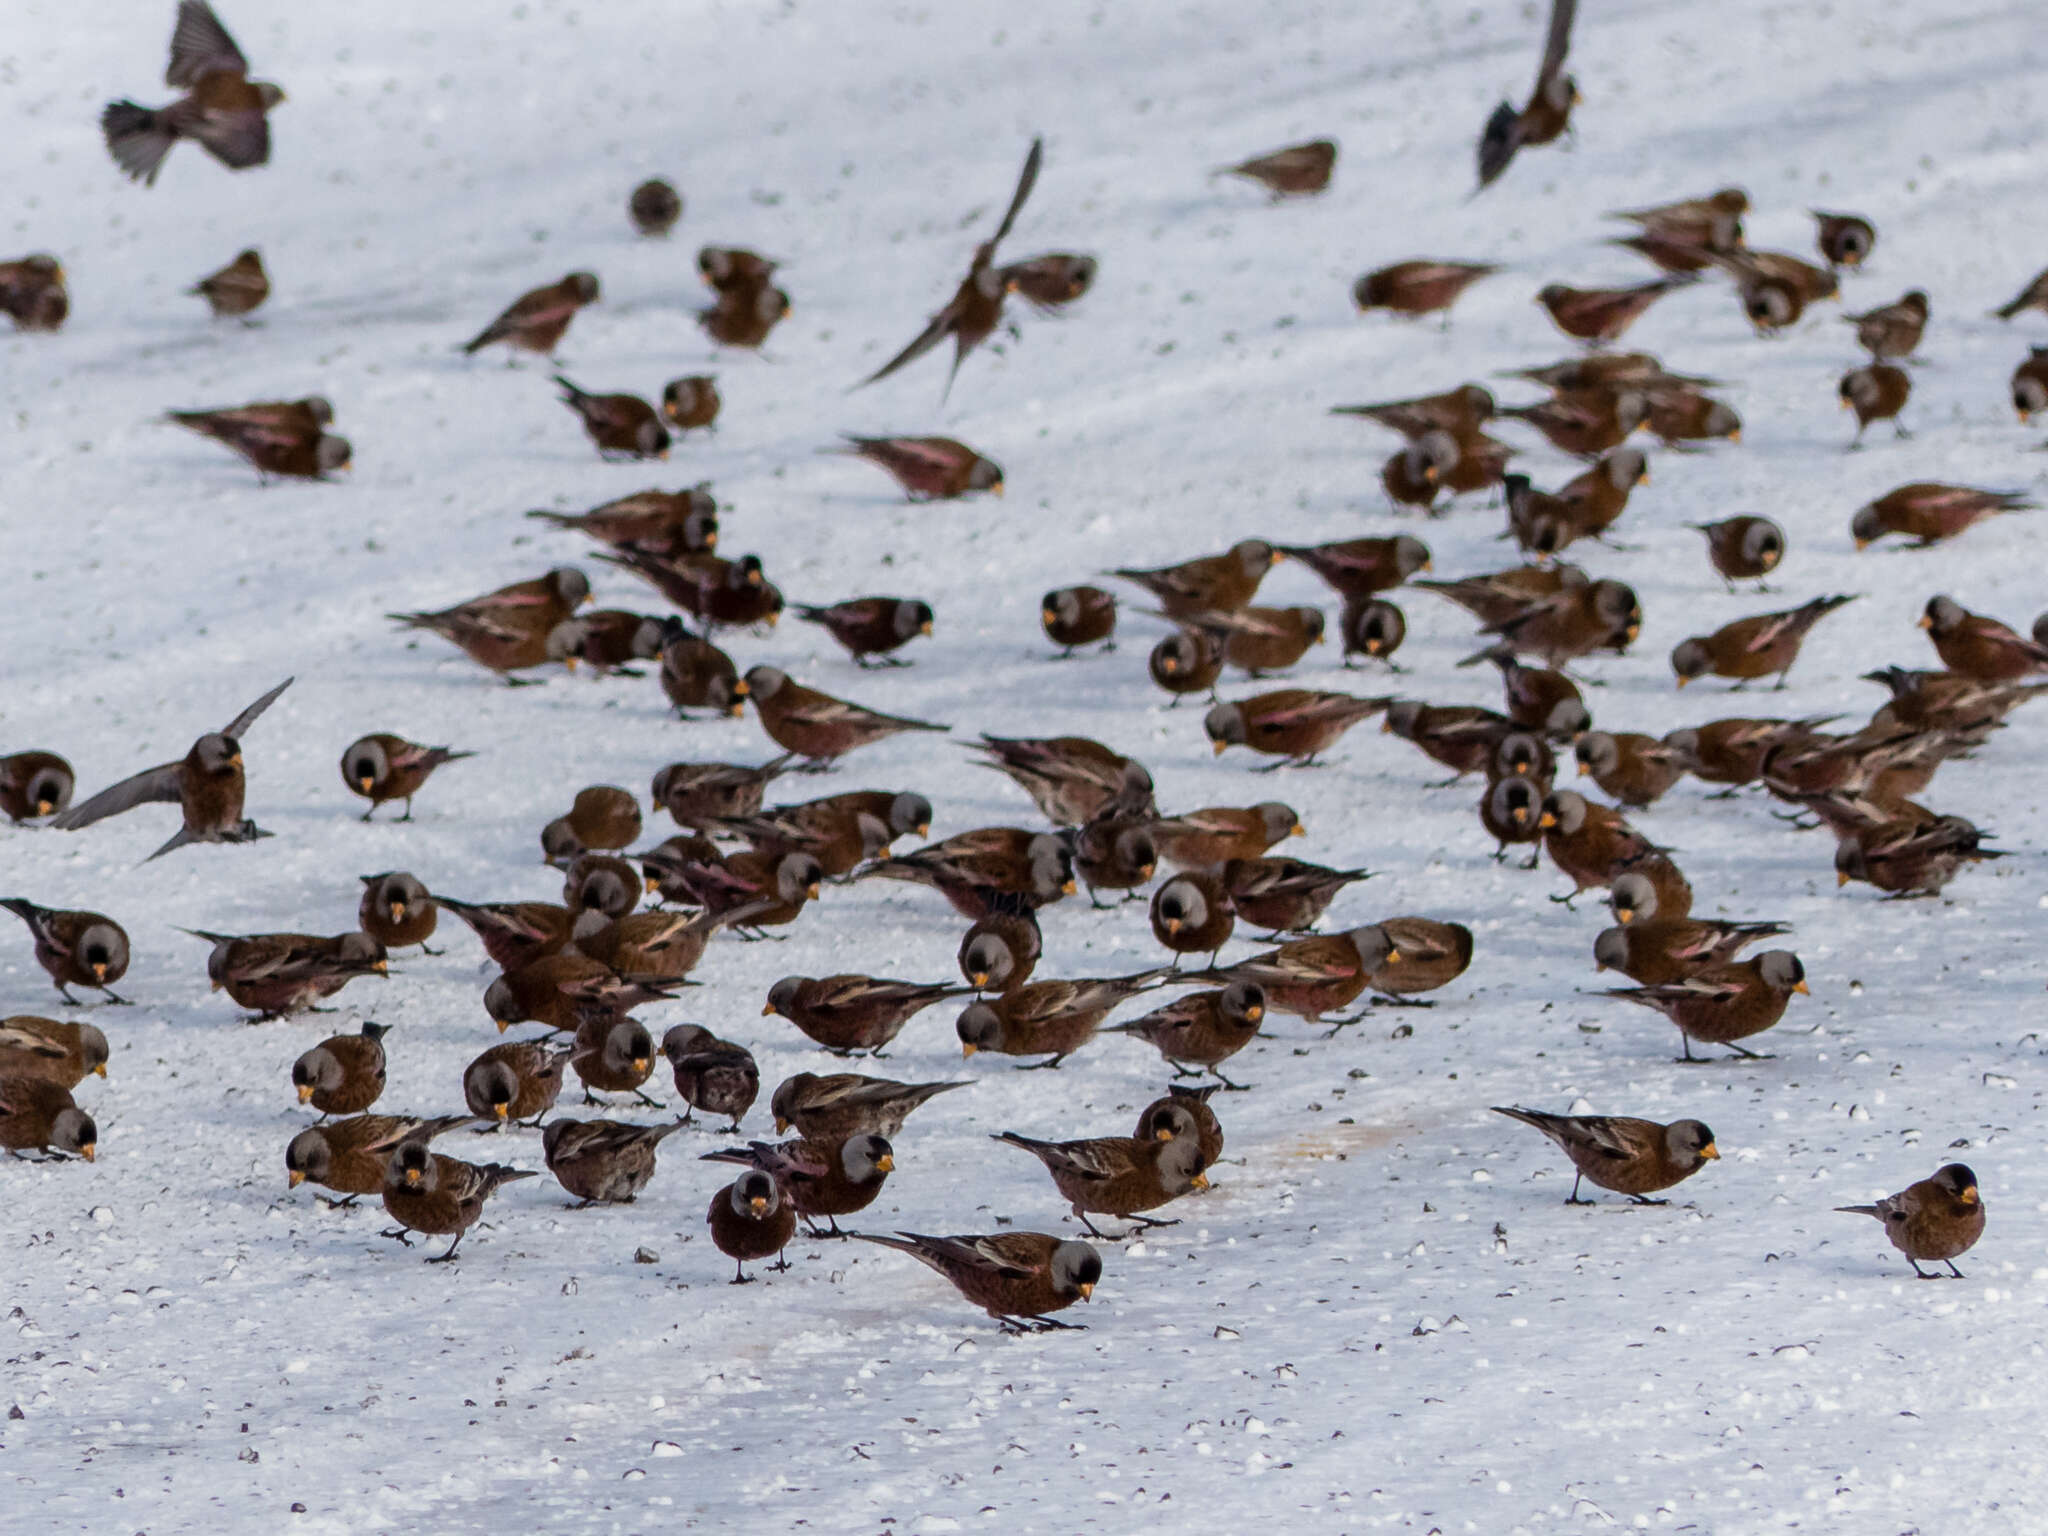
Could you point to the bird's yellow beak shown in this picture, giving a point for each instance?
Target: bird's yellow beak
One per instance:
(767, 1009)
(1067, 887)
(89, 1151)
(1802, 989)
(925, 628)
(305, 1093)
(1216, 748)
(1625, 915)
(235, 761)
(653, 885)
(99, 970)
(1297, 830)
(1970, 1196)
(1711, 1153)
(811, 891)
(1862, 544)
(1683, 679)
(979, 979)
(503, 1026)
(502, 1111)
(100, 1070)
(1733, 437)
(759, 1203)
(1172, 925)
(1841, 879)
(968, 1048)
(398, 911)
(1086, 1291)
(781, 1125)
(412, 1176)
(1162, 1134)
(1045, 615)
(997, 487)
(1546, 821)
(294, 1179)
(44, 807)
(886, 1163)
(1254, 1013)
(367, 784)
(1201, 1181)
(1926, 622)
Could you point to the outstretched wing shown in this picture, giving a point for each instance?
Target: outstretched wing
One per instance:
(200, 46)
(929, 337)
(152, 784)
(1556, 44)
(247, 717)
(1028, 179)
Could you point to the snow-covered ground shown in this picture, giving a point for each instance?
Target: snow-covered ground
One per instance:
(1382, 1317)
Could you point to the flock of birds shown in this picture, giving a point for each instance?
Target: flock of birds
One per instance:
(576, 970)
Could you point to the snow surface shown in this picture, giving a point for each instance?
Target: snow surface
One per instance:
(1382, 1318)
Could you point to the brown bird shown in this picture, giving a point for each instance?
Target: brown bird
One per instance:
(224, 111)
(1300, 170)
(602, 883)
(1017, 1278)
(439, 1196)
(816, 725)
(207, 784)
(239, 288)
(1743, 548)
(1213, 584)
(1538, 698)
(1114, 854)
(1263, 640)
(273, 974)
(1427, 955)
(1753, 647)
(34, 785)
(1374, 628)
(536, 320)
(872, 626)
(988, 869)
(839, 831)
(1072, 779)
(1439, 462)
(1309, 977)
(711, 1074)
(1687, 416)
(1910, 854)
(348, 1156)
(1292, 724)
(665, 524)
(60, 1053)
(1548, 111)
(1591, 843)
(690, 403)
(1936, 1220)
(976, 308)
(1845, 239)
(516, 1082)
(32, 293)
(1053, 1019)
(1361, 568)
(1710, 223)
(39, 1115)
(1118, 1175)
(344, 1074)
(1203, 1029)
(1654, 952)
(714, 590)
(820, 1179)
(930, 468)
(654, 207)
(564, 991)
(2030, 385)
(1971, 644)
(1049, 282)
(1077, 616)
(507, 630)
(1588, 422)
(602, 1162)
(601, 816)
(1509, 810)
(1634, 769)
(1631, 1157)
(854, 1013)
(1189, 661)
(1732, 751)
(1599, 315)
(1501, 596)
(1930, 512)
(381, 767)
(613, 1056)
(620, 425)
(1892, 330)
(1460, 736)
(845, 1104)
(1001, 951)
(1192, 915)
(1283, 895)
(2033, 296)
(279, 437)
(696, 793)
(1418, 287)
(1876, 393)
(1218, 833)
(1721, 1004)
(751, 1220)
(610, 640)
(745, 314)
(514, 933)
(82, 949)
(1460, 412)
(1184, 1111)
(733, 269)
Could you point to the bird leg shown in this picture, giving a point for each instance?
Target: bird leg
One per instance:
(642, 1097)
(1038, 1324)
(1953, 1271)
(781, 1262)
(1147, 1223)
(1573, 1197)
(337, 1205)
(428, 950)
(1382, 1000)
(397, 1233)
(1226, 1084)
(444, 1258)
(740, 1275)
(1040, 1066)
(1919, 1273)
(1566, 901)
(1646, 1200)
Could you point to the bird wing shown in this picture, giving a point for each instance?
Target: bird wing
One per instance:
(1027, 179)
(1556, 44)
(934, 333)
(160, 783)
(1605, 1136)
(239, 137)
(26, 1042)
(247, 717)
(200, 46)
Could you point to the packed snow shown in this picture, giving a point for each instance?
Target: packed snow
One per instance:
(1382, 1317)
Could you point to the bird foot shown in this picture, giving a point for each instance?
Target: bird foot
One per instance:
(1383, 1000)
(397, 1234)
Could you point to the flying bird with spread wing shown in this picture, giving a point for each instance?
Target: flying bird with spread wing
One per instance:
(1549, 109)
